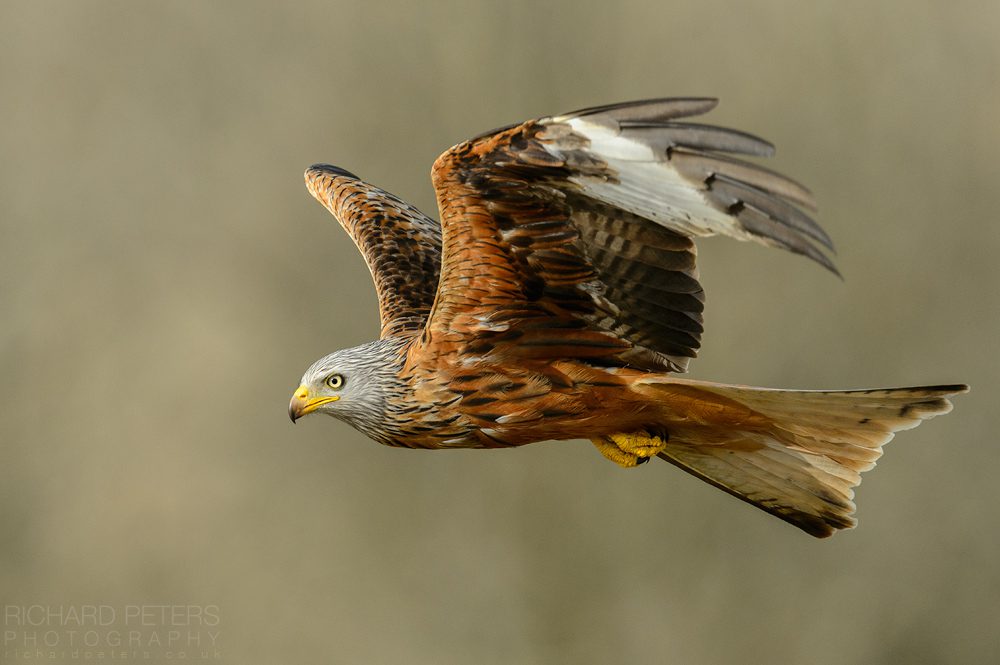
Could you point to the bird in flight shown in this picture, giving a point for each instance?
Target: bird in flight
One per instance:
(558, 298)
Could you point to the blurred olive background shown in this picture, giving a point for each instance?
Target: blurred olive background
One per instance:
(166, 278)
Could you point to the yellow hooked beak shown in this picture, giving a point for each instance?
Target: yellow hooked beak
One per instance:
(301, 404)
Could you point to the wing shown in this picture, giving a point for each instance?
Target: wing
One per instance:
(571, 236)
(401, 245)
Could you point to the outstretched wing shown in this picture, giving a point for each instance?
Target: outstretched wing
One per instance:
(571, 236)
(401, 245)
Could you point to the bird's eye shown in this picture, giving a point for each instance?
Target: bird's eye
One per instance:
(335, 381)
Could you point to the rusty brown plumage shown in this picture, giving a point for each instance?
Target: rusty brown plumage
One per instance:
(401, 245)
(560, 291)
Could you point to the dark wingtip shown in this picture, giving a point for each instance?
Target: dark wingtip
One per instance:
(951, 388)
(657, 108)
(330, 169)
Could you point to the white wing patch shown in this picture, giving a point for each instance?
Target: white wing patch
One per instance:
(682, 176)
(648, 185)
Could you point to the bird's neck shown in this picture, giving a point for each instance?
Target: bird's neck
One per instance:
(379, 417)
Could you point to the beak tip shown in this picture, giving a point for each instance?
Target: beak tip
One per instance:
(297, 405)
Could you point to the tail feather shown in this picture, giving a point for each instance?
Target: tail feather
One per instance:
(802, 453)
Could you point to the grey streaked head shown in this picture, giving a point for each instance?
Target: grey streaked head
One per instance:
(353, 385)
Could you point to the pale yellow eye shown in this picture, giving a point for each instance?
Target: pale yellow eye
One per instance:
(335, 381)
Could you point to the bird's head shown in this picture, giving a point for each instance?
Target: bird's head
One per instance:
(351, 384)
(323, 385)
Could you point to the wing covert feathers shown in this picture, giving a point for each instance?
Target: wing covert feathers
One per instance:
(587, 219)
(804, 464)
(400, 244)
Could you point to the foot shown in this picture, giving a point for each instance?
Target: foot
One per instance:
(629, 450)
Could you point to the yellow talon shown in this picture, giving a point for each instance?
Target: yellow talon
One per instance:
(611, 451)
(639, 443)
(631, 449)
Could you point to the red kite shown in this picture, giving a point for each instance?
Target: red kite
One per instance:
(559, 297)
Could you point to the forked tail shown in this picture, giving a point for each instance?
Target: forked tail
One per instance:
(796, 454)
